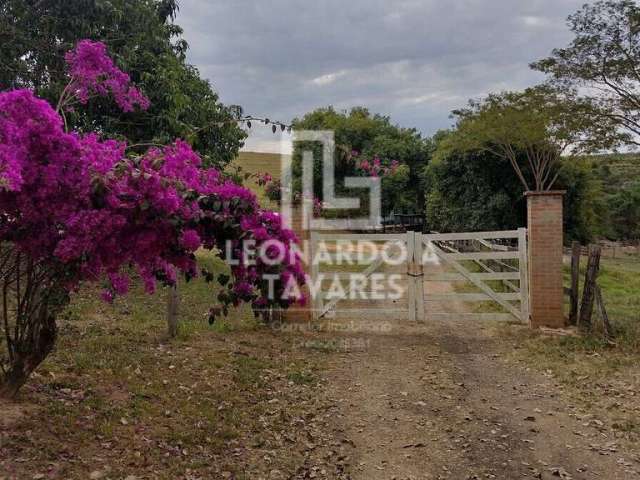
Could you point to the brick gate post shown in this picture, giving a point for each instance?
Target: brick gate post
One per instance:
(546, 292)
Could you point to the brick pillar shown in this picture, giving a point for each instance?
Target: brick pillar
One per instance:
(546, 293)
(300, 313)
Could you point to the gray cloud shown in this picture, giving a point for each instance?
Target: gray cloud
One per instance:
(414, 60)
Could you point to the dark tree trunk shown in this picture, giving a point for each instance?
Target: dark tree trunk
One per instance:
(27, 355)
(16, 376)
(30, 299)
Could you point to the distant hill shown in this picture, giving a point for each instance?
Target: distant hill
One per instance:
(257, 162)
(616, 170)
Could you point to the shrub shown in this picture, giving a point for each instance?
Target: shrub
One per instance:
(76, 208)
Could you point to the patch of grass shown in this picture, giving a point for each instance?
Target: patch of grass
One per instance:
(499, 286)
(300, 375)
(321, 345)
(117, 396)
(258, 162)
(247, 370)
(619, 279)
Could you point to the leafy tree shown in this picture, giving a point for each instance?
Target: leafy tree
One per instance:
(74, 207)
(475, 190)
(472, 191)
(615, 177)
(603, 61)
(585, 207)
(625, 213)
(141, 35)
(531, 129)
(395, 186)
(361, 134)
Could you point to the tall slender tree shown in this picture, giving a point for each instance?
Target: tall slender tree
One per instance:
(532, 129)
(603, 63)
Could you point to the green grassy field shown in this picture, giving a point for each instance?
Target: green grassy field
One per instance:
(256, 163)
(619, 279)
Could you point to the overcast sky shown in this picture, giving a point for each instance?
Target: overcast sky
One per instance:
(414, 60)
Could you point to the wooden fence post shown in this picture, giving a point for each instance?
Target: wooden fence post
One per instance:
(589, 289)
(173, 300)
(606, 325)
(575, 282)
(418, 279)
(410, 273)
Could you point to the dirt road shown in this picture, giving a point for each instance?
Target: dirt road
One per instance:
(443, 400)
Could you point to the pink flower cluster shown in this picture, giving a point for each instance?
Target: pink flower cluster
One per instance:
(263, 179)
(273, 189)
(375, 167)
(79, 204)
(94, 73)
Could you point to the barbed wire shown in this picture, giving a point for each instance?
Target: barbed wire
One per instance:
(250, 120)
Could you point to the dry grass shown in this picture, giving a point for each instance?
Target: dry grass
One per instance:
(254, 162)
(117, 398)
(596, 373)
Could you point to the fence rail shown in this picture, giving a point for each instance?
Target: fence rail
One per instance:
(453, 248)
(501, 257)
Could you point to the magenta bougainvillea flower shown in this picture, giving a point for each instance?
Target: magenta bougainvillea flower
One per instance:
(375, 167)
(94, 73)
(80, 203)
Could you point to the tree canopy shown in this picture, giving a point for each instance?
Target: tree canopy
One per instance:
(532, 129)
(475, 190)
(145, 42)
(359, 135)
(625, 212)
(602, 61)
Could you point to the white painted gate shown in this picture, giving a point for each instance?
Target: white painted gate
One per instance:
(493, 264)
(327, 305)
(486, 267)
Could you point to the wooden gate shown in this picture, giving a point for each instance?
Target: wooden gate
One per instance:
(325, 304)
(493, 265)
(486, 268)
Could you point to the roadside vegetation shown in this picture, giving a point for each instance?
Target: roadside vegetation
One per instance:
(118, 399)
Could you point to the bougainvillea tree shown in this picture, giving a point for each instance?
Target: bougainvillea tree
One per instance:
(75, 208)
(393, 175)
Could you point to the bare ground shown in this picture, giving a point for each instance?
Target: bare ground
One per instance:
(387, 399)
(441, 400)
